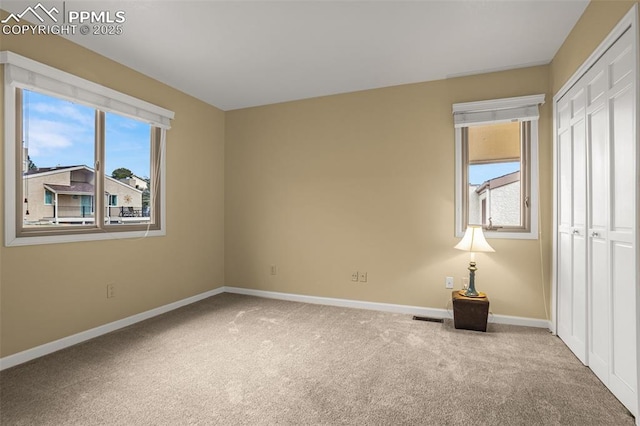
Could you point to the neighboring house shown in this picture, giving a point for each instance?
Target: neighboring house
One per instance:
(136, 182)
(65, 194)
(498, 199)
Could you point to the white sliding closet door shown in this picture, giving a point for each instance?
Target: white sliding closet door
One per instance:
(621, 97)
(572, 250)
(597, 113)
(596, 253)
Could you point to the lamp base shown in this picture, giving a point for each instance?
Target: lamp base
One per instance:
(471, 290)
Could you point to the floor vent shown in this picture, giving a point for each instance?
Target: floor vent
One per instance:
(428, 319)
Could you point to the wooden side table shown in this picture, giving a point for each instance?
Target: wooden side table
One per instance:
(470, 313)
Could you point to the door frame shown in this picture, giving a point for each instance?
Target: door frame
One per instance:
(628, 22)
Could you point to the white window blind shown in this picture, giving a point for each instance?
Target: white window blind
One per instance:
(28, 74)
(524, 108)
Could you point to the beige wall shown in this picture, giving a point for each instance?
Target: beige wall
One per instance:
(52, 291)
(365, 182)
(594, 25)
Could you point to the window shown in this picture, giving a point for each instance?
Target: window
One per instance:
(495, 163)
(77, 146)
(497, 166)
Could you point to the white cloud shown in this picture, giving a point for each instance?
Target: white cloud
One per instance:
(43, 137)
(79, 114)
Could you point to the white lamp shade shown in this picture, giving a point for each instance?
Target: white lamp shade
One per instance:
(474, 241)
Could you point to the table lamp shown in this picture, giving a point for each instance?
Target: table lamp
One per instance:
(473, 241)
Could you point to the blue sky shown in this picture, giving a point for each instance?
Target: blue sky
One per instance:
(479, 173)
(59, 132)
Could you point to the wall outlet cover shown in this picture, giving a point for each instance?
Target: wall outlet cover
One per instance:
(448, 282)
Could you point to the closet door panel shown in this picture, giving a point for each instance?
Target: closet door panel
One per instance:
(579, 181)
(623, 162)
(565, 179)
(620, 60)
(565, 291)
(598, 168)
(579, 222)
(564, 260)
(572, 309)
(597, 86)
(622, 380)
(579, 297)
(599, 311)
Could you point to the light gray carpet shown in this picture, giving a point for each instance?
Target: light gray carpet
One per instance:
(234, 359)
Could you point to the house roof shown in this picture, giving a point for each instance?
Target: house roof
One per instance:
(41, 170)
(76, 188)
(63, 169)
(498, 182)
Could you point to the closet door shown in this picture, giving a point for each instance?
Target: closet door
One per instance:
(599, 307)
(620, 62)
(597, 219)
(571, 262)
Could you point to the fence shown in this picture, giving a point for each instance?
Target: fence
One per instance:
(87, 211)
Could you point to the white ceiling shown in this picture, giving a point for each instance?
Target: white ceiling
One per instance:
(236, 54)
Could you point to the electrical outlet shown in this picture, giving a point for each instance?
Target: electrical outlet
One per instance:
(363, 277)
(354, 276)
(448, 282)
(274, 269)
(110, 291)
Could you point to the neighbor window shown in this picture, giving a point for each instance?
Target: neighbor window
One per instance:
(48, 197)
(496, 166)
(77, 148)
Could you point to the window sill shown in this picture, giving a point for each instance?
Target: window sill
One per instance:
(531, 235)
(13, 241)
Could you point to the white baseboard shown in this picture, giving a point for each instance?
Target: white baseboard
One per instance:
(386, 307)
(47, 348)
(344, 303)
(523, 321)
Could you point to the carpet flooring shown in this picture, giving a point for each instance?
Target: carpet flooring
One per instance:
(241, 360)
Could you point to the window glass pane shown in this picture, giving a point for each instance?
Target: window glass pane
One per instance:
(57, 153)
(494, 175)
(128, 185)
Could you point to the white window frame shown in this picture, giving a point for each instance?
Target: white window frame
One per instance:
(523, 108)
(24, 73)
